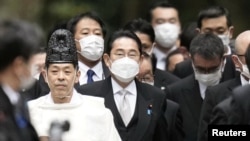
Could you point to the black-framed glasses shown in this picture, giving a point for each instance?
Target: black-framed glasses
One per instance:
(206, 70)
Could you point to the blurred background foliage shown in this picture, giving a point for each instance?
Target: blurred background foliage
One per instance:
(115, 13)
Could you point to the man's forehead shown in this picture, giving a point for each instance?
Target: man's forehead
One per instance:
(214, 22)
(61, 65)
(198, 60)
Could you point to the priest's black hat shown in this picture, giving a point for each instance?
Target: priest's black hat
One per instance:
(61, 48)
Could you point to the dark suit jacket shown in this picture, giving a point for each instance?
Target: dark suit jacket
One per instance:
(240, 106)
(34, 92)
(184, 68)
(214, 95)
(187, 94)
(147, 127)
(163, 78)
(11, 129)
(174, 120)
(221, 112)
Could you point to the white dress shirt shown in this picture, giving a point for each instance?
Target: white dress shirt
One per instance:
(161, 57)
(99, 75)
(11, 94)
(131, 88)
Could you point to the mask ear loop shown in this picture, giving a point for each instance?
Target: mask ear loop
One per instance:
(242, 71)
(152, 48)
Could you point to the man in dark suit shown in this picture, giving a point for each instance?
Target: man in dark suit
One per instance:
(164, 17)
(19, 41)
(240, 106)
(216, 20)
(172, 113)
(89, 32)
(143, 104)
(216, 94)
(228, 111)
(145, 33)
(207, 60)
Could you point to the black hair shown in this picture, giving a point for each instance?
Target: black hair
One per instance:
(188, 33)
(18, 38)
(123, 33)
(214, 12)
(163, 4)
(141, 26)
(207, 45)
(71, 25)
(175, 52)
(148, 57)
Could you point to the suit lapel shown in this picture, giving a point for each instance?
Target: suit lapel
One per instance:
(109, 99)
(229, 70)
(144, 117)
(191, 94)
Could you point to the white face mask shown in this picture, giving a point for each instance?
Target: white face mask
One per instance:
(210, 79)
(92, 47)
(225, 39)
(245, 70)
(166, 34)
(125, 69)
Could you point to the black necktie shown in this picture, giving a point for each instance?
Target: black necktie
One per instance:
(90, 74)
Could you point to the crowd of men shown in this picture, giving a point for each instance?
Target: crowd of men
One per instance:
(152, 80)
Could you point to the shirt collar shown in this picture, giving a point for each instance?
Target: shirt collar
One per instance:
(97, 69)
(162, 55)
(159, 54)
(11, 94)
(131, 88)
(229, 51)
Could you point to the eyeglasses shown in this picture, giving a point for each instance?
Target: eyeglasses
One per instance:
(147, 78)
(131, 55)
(206, 70)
